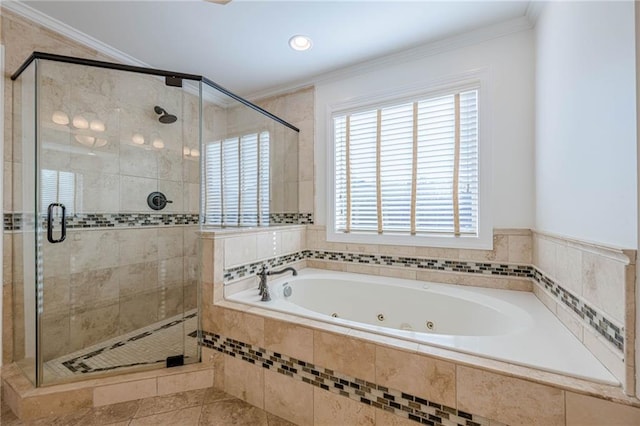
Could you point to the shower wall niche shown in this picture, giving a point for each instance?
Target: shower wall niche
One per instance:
(103, 280)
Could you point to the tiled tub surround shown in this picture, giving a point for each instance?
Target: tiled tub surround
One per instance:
(591, 289)
(492, 323)
(596, 320)
(594, 315)
(249, 324)
(267, 354)
(390, 400)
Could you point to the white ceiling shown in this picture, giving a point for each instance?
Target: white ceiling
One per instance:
(243, 45)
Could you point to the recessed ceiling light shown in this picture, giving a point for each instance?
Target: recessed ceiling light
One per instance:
(300, 42)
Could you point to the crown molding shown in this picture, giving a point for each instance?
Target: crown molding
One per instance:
(34, 15)
(534, 8)
(430, 49)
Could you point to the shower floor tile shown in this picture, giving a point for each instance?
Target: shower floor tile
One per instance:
(145, 346)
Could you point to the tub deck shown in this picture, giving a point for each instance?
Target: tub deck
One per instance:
(535, 337)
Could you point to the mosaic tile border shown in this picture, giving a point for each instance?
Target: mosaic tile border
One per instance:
(588, 316)
(78, 365)
(521, 271)
(291, 218)
(393, 401)
(236, 273)
(18, 221)
(596, 320)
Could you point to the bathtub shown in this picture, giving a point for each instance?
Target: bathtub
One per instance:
(505, 325)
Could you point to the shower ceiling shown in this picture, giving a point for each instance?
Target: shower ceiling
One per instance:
(243, 45)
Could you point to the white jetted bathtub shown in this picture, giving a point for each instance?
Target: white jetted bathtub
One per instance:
(512, 326)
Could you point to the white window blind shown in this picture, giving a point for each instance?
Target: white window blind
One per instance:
(237, 181)
(410, 168)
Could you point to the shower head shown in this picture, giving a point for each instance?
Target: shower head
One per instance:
(165, 117)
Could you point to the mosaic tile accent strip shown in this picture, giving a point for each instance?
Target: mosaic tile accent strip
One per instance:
(238, 272)
(521, 271)
(589, 316)
(140, 347)
(394, 401)
(594, 319)
(18, 221)
(291, 218)
(13, 221)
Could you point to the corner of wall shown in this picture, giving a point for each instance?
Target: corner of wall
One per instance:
(1, 175)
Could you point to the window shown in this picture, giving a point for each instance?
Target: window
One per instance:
(237, 181)
(408, 169)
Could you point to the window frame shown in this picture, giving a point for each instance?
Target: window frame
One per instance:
(477, 79)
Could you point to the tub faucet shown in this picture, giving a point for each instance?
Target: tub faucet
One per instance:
(263, 287)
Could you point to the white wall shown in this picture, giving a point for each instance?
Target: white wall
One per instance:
(509, 61)
(585, 159)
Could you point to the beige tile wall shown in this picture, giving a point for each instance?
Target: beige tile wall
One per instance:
(143, 277)
(603, 277)
(21, 37)
(238, 120)
(102, 282)
(297, 108)
(512, 246)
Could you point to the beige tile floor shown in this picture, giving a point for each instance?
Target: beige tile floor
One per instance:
(200, 407)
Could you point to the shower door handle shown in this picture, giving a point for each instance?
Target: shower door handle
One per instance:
(63, 223)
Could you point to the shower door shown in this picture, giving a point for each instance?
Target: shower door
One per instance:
(117, 196)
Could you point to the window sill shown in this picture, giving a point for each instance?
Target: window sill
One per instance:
(480, 242)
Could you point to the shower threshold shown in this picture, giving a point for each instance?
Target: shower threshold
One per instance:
(146, 346)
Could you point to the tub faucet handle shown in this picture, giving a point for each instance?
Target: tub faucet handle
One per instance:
(263, 280)
(266, 297)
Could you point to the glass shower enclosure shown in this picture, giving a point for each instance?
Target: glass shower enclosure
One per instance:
(105, 218)
(110, 186)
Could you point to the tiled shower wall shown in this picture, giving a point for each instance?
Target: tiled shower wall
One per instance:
(21, 37)
(296, 108)
(122, 280)
(238, 120)
(112, 274)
